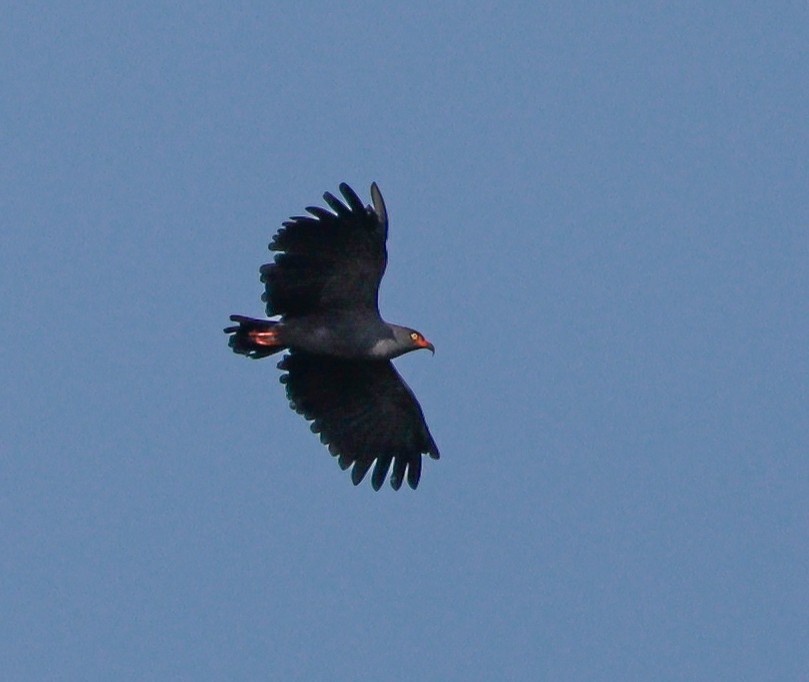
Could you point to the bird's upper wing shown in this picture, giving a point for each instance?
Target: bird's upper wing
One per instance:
(329, 260)
(363, 411)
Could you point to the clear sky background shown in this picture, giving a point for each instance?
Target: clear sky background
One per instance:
(599, 215)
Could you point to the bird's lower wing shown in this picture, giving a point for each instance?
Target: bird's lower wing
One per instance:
(364, 412)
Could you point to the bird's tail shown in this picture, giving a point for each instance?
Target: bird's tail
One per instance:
(254, 338)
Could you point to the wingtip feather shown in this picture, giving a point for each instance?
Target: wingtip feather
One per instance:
(353, 200)
(379, 204)
(336, 205)
(414, 473)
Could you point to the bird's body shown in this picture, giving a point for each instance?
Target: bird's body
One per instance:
(349, 334)
(324, 284)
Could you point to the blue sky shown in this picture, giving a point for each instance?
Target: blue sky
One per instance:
(599, 215)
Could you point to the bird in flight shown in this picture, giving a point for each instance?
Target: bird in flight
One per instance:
(324, 284)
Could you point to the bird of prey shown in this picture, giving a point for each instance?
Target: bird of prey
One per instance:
(323, 284)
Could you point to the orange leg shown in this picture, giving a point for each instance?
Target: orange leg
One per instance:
(265, 337)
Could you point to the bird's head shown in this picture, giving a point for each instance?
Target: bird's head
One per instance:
(417, 341)
(404, 340)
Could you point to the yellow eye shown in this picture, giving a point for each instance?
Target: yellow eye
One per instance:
(414, 336)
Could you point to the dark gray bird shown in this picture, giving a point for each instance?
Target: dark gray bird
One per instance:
(324, 284)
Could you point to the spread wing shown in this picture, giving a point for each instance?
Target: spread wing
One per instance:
(363, 411)
(329, 260)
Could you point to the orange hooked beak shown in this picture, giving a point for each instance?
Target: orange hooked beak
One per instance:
(424, 343)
